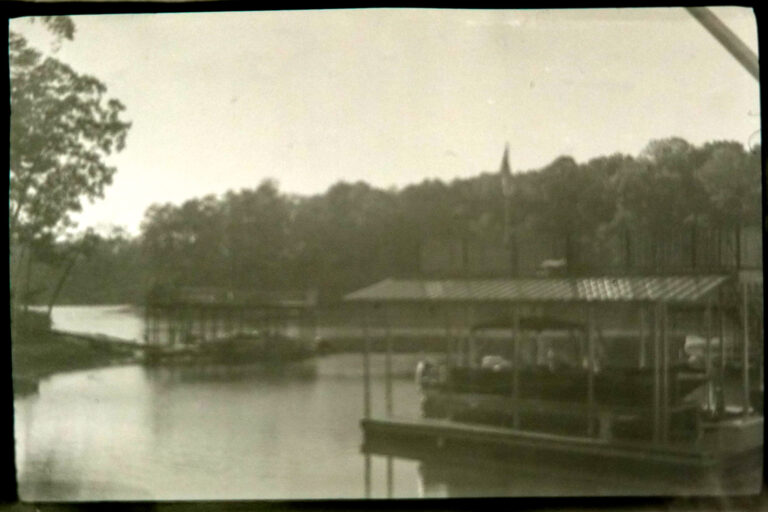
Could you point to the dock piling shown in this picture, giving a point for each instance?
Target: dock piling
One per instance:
(708, 356)
(388, 365)
(366, 367)
(665, 374)
(516, 367)
(745, 352)
(656, 374)
(643, 356)
(590, 371)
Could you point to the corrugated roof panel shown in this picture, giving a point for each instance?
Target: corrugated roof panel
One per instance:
(593, 289)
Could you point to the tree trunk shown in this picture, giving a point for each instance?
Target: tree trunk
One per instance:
(60, 284)
(16, 269)
(27, 278)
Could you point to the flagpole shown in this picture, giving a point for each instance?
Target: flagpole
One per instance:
(506, 192)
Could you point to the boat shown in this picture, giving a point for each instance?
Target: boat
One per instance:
(477, 387)
(256, 346)
(238, 348)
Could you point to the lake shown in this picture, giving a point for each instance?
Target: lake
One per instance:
(132, 432)
(137, 433)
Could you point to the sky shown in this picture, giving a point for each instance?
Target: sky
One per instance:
(222, 101)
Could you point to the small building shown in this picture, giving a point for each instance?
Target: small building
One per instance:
(193, 315)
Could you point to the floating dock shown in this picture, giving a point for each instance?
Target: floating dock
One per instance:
(721, 451)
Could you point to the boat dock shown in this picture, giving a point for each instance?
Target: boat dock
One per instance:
(426, 438)
(636, 417)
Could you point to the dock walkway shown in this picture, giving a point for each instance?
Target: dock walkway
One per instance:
(417, 438)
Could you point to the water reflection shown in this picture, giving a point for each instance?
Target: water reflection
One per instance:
(136, 433)
(443, 477)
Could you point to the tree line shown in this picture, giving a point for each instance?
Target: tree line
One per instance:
(355, 234)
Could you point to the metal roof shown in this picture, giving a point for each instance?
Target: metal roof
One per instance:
(530, 323)
(589, 289)
(214, 297)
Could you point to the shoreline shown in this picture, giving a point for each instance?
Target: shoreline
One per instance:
(39, 352)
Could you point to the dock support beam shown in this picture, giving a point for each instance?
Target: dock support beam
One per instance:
(745, 353)
(146, 324)
(665, 374)
(708, 357)
(171, 327)
(448, 338)
(516, 367)
(590, 371)
(643, 356)
(721, 368)
(466, 335)
(388, 365)
(656, 374)
(367, 475)
(366, 374)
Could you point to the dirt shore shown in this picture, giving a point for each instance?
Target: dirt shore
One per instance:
(37, 352)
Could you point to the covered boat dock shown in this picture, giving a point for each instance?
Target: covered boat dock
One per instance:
(715, 308)
(180, 320)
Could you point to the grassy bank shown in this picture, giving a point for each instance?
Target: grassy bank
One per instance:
(37, 352)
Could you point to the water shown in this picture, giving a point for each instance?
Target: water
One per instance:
(136, 433)
(120, 321)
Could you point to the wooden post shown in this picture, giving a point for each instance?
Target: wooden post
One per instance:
(203, 324)
(147, 340)
(367, 475)
(745, 352)
(178, 322)
(721, 368)
(516, 367)
(590, 371)
(761, 357)
(366, 372)
(155, 320)
(708, 355)
(388, 364)
(643, 357)
(209, 321)
(469, 320)
(656, 375)
(448, 339)
(665, 375)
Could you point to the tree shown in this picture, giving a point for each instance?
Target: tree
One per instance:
(66, 255)
(62, 129)
(731, 178)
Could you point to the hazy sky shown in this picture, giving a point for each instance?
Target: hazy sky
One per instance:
(222, 101)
